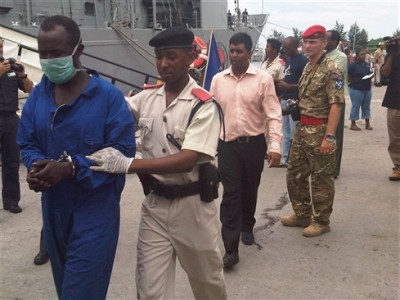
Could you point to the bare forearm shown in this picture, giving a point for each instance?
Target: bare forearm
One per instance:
(28, 85)
(181, 162)
(333, 119)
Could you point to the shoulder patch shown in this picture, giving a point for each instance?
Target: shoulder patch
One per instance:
(202, 94)
(152, 86)
(338, 81)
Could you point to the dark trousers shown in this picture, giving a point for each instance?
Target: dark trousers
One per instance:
(42, 245)
(240, 165)
(10, 158)
(339, 140)
(81, 240)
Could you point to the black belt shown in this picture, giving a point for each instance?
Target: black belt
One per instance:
(8, 113)
(173, 191)
(246, 139)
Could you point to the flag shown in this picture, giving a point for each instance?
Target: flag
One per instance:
(213, 63)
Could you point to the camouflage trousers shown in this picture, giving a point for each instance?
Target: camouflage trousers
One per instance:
(307, 163)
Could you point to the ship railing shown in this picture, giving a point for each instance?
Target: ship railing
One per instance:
(113, 79)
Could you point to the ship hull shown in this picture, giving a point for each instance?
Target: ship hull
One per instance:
(116, 33)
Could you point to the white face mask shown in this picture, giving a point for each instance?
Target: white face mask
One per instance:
(60, 69)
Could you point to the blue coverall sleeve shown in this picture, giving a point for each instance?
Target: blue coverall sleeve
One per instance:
(101, 111)
(27, 138)
(119, 133)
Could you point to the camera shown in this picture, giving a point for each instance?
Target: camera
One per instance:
(13, 63)
(292, 108)
(392, 44)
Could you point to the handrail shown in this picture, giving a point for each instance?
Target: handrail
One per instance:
(113, 79)
(119, 65)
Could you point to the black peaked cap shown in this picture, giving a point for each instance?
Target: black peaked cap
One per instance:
(174, 37)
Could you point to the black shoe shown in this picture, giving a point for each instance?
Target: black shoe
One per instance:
(15, 209)
(41, 258)
(231, 259)
(247, 238)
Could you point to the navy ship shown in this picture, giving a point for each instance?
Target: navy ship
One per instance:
(116, 32)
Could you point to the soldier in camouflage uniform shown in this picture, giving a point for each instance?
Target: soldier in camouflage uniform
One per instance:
(321, 94)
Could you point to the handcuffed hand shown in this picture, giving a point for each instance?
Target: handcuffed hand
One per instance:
(36, 184)
(47, 173)
(110, 160)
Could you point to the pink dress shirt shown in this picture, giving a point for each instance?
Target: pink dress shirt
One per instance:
(248, 103)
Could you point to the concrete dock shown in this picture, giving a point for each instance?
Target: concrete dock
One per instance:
(358, 259)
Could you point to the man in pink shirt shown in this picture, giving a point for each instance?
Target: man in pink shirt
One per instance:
(248, 99)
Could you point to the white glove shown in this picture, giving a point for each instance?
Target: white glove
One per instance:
(110, 160)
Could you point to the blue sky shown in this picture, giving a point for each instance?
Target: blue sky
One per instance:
(379, 17)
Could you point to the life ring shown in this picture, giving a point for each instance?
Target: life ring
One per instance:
(201, 48)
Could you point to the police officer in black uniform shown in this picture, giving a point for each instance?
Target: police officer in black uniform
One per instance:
(12, 78)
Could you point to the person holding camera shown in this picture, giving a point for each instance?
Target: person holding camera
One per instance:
(391, 101)
(288, 87)
(321, 93)
(12, 78)
(179, 216)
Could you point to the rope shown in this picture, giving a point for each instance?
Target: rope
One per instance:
(135, 46)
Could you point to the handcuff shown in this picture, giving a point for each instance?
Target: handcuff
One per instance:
(65, 157)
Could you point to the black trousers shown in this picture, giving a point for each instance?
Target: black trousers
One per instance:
(10, 158)
(240, 165)
(339, 140)
(42, 245)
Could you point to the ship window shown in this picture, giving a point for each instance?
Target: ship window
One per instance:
(4, 10)
(89, 9)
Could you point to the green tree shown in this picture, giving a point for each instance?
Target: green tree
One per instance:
(352, 35)
(340, 28)
(277, 35)
(358, 37)
(397, 32)
(362, 38)
(297, 33)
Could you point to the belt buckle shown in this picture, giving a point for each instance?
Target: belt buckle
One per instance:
(243, 139)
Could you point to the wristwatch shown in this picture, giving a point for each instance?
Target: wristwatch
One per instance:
(330, 137)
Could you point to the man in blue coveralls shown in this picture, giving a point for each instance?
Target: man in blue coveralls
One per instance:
(70, 114)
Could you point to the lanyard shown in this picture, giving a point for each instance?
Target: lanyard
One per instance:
(313, 71)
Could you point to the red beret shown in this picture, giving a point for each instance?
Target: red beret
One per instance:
(315, 31)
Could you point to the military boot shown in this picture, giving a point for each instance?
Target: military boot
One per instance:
(295, 221)
(316, 229)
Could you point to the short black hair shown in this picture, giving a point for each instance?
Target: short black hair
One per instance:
(358, 50)
(275, 43)
(172, 38)
(69, 25)
(293, 41)
(335, 35)
(241, 38)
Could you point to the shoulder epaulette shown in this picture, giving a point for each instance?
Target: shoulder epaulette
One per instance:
(201, 94)
(152, 86)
